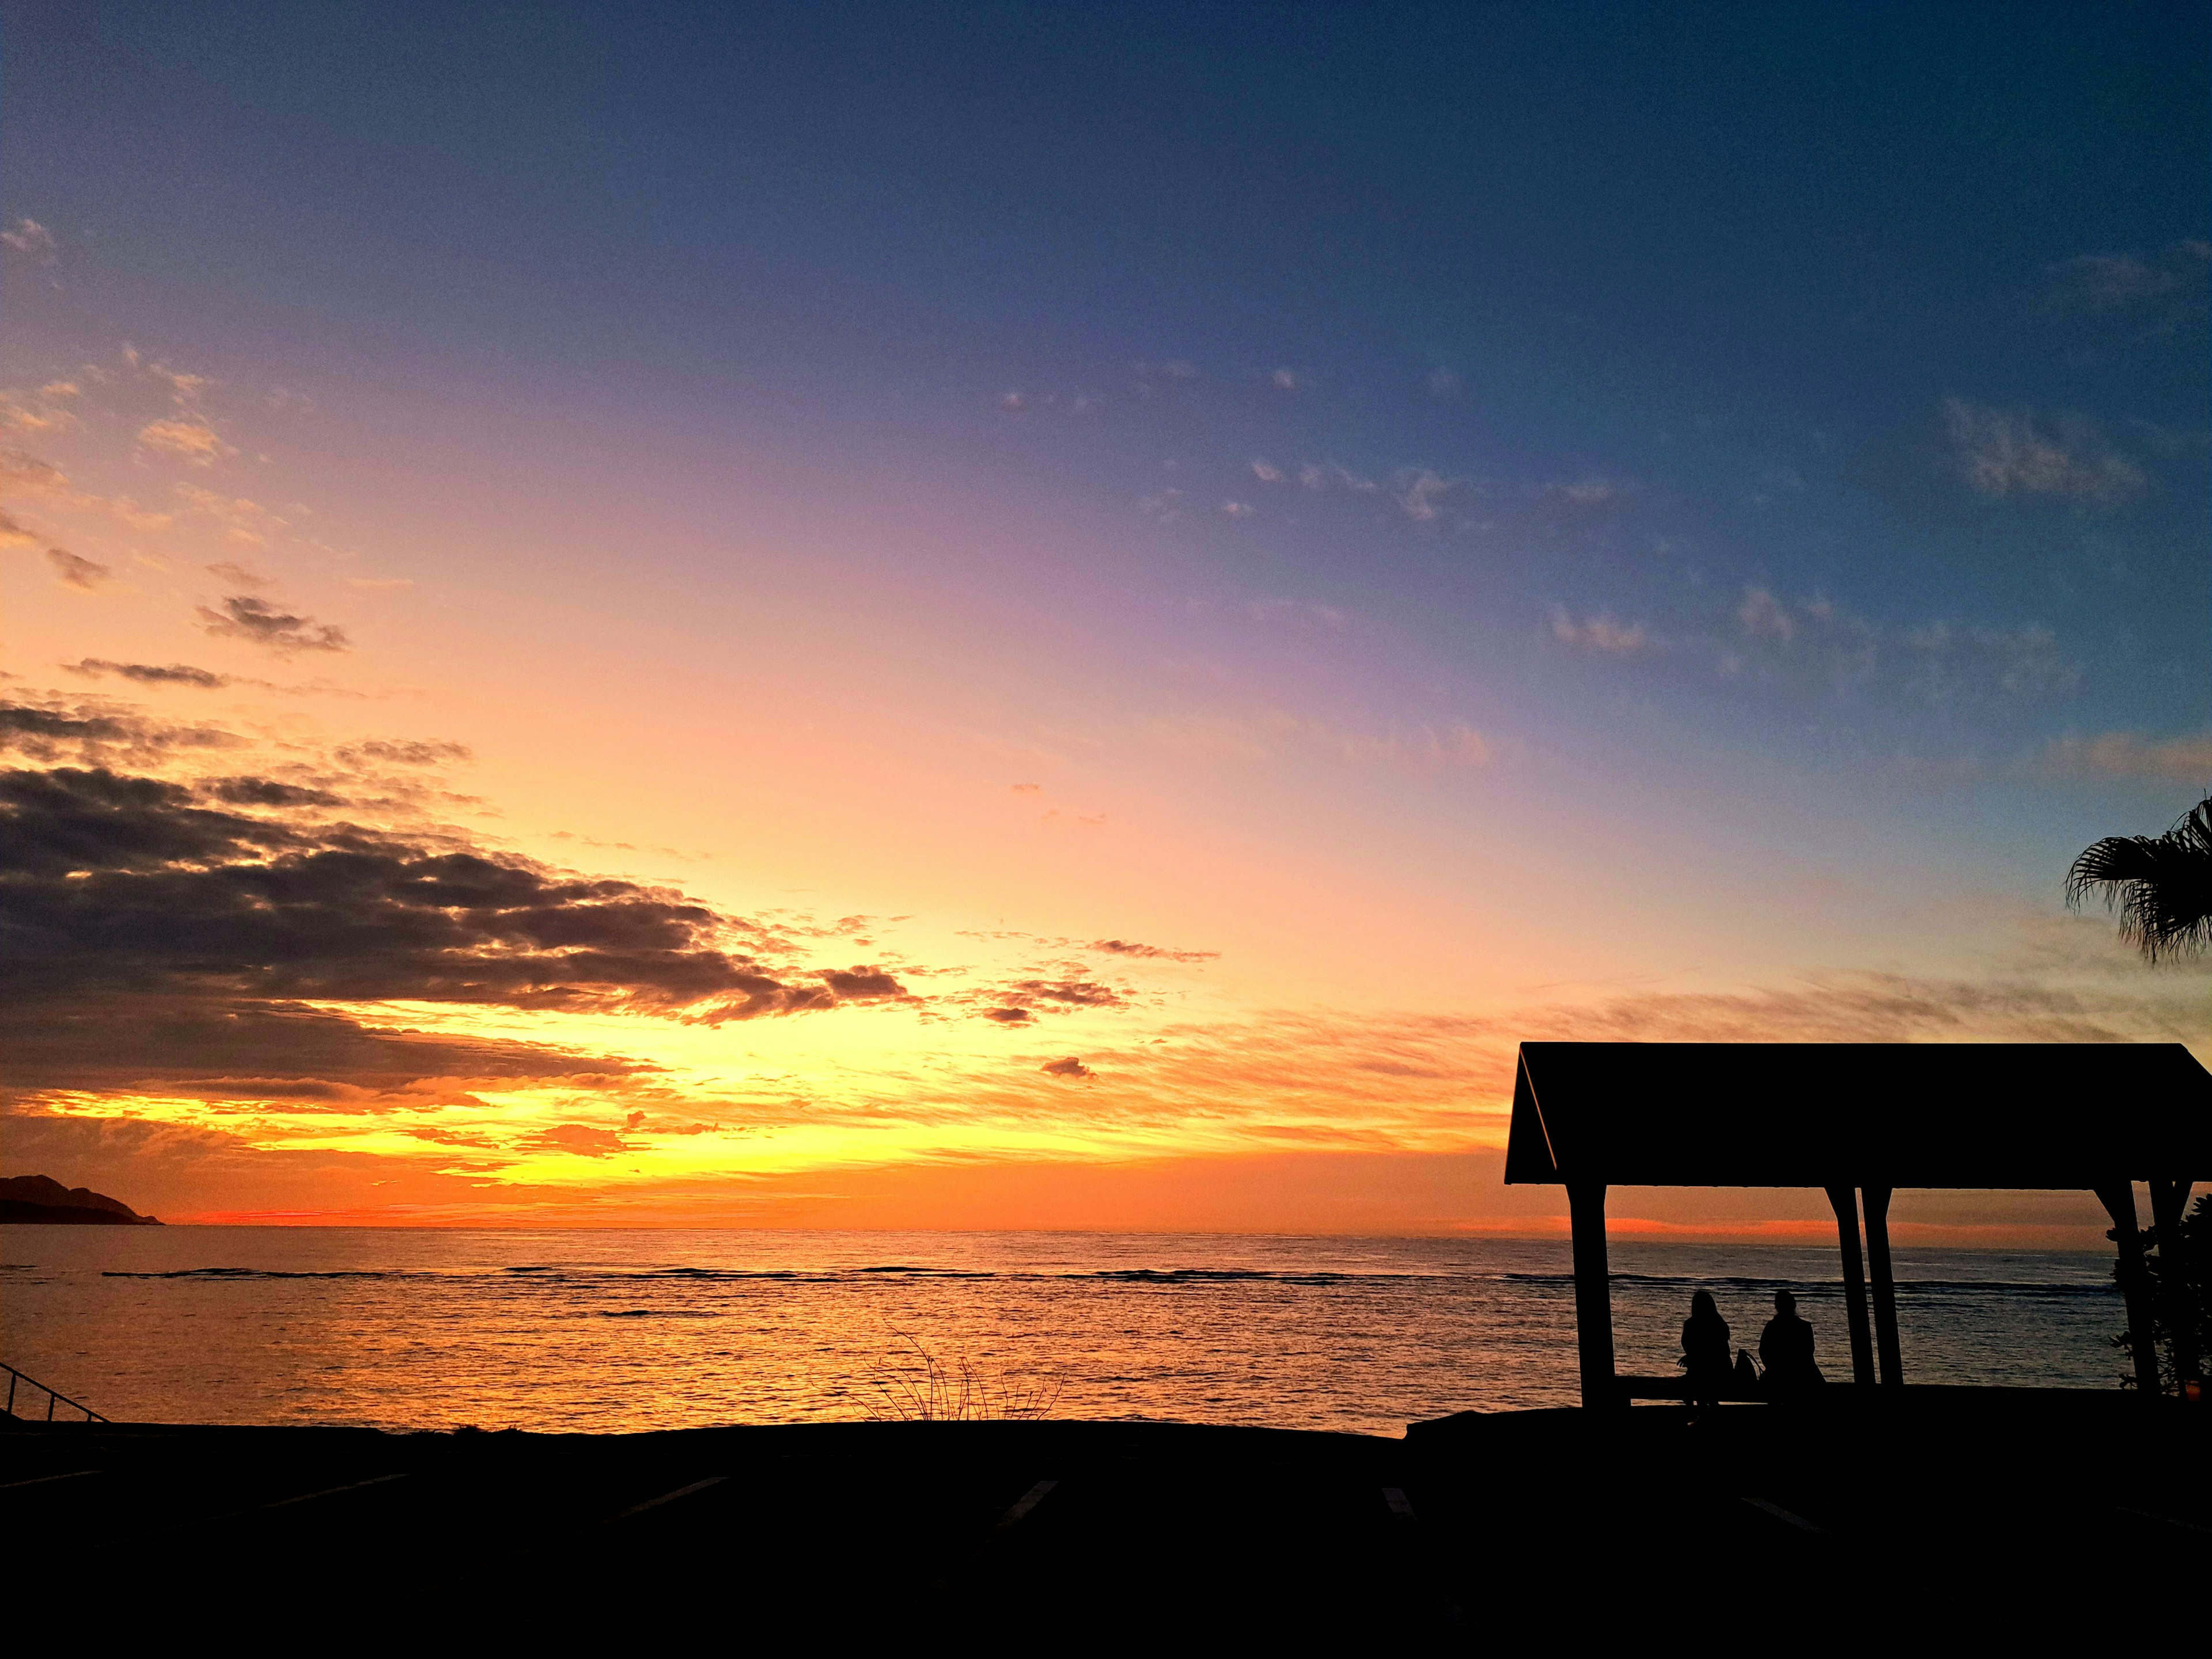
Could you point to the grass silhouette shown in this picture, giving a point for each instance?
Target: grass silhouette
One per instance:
(922, 1388)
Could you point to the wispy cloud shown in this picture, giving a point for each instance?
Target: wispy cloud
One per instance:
(32, 240)
(1586, 492)
(2009, 454)
(25, 474)
(1444, 383)
(402, 751)
(78, 572)
(1269, 735)
(246, 523)
(1122, 947)
(186, 437)
(175, 674)
(1420, 492)
(2164, 288)
(243, 617)
(1602, 632)
(35, 420)
(99, 733)
(1816, 647)
(1762, 616)
(2131, 755)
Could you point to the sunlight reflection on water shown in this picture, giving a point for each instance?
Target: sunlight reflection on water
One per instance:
(618, 1330)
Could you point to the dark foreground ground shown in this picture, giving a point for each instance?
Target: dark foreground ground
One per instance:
(1945, 1518)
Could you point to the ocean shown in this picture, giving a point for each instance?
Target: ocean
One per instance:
(607, 1331)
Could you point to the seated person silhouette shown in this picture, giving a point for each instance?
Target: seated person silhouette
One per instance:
(1705, 1352)
(1785, 1348)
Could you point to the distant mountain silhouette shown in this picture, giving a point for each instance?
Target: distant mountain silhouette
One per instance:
(43, 1199)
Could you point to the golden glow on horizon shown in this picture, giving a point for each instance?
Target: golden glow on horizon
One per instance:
(1350, 918)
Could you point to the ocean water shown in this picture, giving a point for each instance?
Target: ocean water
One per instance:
(622, 1330)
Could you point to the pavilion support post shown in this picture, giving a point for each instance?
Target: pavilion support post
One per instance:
(1844, 1200)
(2118, 1198)
(1593, 1294)
(1876, 1201)
(2169, 1203)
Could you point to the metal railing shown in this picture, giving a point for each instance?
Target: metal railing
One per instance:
(53, 1398)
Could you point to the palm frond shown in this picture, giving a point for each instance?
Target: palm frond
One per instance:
(2160, 886)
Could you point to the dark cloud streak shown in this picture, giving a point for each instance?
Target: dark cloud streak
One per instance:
(242, 616)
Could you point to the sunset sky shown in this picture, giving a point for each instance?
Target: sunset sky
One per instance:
(1030, 616)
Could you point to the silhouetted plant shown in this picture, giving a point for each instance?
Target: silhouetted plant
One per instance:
(923, 1389)
(2160, 885)
(2180, 1299)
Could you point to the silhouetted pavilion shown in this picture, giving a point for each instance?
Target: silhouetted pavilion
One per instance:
(1856, 1119)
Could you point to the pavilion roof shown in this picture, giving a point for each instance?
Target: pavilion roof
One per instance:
(1859, 1114)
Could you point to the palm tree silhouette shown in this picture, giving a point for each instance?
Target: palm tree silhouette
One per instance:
(2160, 885)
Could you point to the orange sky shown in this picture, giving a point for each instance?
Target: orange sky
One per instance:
(1171, 940)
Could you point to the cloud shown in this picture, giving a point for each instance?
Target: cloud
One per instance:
(1267, 473)
(1586, 492)
(2164, 289)
(1599, 633)
(188, 437)
(175, 674)
(184, 389)
(1444, 383)
(580, 1138)
(1319, 474)
(78, 572)
(864, 985)
(1420, 492)
(1122, 947)
(266, 792)
(403, 751)
(12, 533)
(245, 523)
(1299, 612)
(18, 416)
(95, 733)
(1813, 648)
(217, 1047)
(1284, 379)
(32, 240)
(1819, 643)
(1010, 1016)
(1238, 509)
(25, 474)
(1070, 1068)
(1766, 617)
(1260, 736)
(242, 616)
(237, 575)
(2007, 454)
(2187, 760)
(1058, 995)
(232, 905)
